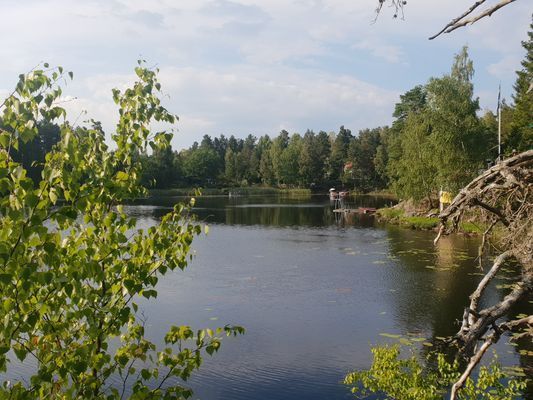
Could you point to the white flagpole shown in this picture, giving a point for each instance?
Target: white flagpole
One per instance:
(499, 125)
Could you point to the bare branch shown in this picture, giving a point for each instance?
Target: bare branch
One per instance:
(517, 324)
(459, 18)
(461, 21)
(493, 210)
(500, 194)
(483, 241)
(474, 361)
(489, 316)
(512, 326)
(398, 6)
(476, 296)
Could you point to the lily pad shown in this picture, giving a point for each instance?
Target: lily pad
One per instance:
(390, 335)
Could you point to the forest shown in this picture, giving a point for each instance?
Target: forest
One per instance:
(437, 127)
(79, 268)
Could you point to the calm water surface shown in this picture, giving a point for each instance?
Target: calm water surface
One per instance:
(313, 292)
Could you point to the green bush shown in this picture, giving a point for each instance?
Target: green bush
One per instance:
(73, 264)
(394, 377)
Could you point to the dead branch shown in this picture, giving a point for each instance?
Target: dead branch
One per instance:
(505, 191)
(458, 22)
(396, 4)
(488, 317)
(511, 326)
(463, 21)
(474, 361)
(517, 324)
(476, 296)
(483, 241)
(502, 194)
(459, 18)
(493, 210)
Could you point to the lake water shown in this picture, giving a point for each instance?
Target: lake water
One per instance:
(313, 292)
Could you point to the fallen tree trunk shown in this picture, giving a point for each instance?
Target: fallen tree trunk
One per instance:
(502, 196)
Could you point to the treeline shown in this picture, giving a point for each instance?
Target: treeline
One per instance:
(437, 140)
(309, 160)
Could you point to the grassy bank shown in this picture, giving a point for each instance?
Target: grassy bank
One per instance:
(398, 216)
(381, 193)
(235, 191)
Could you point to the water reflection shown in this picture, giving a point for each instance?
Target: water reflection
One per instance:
(312, 294)
(269, 210)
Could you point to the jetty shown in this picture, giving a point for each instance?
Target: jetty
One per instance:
(340, 205)
(359, 210)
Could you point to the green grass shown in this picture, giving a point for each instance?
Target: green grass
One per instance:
(422, 223)
(470, 227)
(261, 191)
(381, 193)
(397, 216)
(241, 191)
(296, 192)
(390, 214)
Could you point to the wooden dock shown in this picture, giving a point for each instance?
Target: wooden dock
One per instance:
(359, 210)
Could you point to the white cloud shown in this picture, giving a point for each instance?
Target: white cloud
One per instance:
(506, 67)
(253, 66)
(260, 100)
(389, 53)
(247, 100)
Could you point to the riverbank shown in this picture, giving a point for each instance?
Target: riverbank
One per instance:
(230, 191)
(398, 216)
(403, 214)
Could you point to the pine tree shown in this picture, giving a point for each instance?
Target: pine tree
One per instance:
(521, 137)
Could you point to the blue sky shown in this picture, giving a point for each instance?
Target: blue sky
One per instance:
(257, 66)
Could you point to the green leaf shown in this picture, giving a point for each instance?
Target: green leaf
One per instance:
(4, 139)
(146, 374)
(20, 352)
(122, 176)
(52, 195)
(6, 278)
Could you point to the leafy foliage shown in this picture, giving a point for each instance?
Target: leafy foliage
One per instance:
(73, 264)
(438, 139)
(392, 376)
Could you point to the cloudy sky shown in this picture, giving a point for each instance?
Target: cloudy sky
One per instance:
(257, 66)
